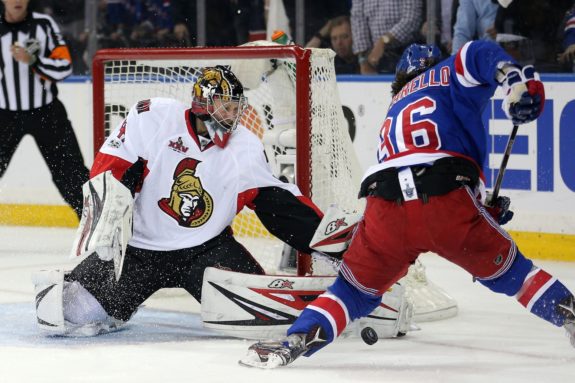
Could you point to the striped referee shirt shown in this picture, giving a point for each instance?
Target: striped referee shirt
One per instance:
(25, 87)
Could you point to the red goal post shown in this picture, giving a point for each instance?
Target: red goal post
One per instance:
(324, 156)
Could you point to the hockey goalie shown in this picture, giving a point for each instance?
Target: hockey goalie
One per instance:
(164, 189)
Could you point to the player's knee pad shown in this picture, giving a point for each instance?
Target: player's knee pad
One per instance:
(333, 310)
(511, 281)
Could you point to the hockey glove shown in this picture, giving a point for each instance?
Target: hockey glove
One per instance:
(499, 209)
(524, 94)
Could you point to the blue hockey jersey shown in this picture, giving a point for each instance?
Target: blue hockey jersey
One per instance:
(438, 113)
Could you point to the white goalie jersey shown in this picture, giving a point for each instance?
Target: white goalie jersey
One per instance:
(188, 190)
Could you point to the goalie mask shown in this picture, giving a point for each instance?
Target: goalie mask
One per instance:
(219, 101)
(416, 59)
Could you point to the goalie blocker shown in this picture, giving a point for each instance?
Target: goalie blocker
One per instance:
(106, 224)
(264, 306)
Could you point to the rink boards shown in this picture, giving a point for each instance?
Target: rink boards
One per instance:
(540, 177)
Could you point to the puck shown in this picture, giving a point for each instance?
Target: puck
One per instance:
(369, 336)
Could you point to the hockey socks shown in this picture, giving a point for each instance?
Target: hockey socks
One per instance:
(332, 311)
(542, 294)
(535, 289)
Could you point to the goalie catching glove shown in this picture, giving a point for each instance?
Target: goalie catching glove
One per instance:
(106, 224)
(524, 93)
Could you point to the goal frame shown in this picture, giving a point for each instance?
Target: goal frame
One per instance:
(300, 55)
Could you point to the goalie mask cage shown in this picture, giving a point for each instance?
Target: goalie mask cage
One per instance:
(294, 108)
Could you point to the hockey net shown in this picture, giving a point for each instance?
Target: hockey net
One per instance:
(294, 109)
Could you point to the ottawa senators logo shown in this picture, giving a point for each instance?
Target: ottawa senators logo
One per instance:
(189, 204)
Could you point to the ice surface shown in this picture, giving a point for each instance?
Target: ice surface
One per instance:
(492, 339)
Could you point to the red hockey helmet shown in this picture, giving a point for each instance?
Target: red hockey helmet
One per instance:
(218, 99)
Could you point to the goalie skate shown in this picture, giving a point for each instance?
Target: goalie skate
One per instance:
(278, 353)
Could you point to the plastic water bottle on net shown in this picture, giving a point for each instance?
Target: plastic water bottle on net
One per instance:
(281, 37)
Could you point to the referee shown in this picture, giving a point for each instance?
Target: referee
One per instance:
(33, 57)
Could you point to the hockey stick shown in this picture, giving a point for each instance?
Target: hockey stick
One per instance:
(503, 166)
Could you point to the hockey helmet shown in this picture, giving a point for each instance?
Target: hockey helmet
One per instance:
(416, 58)
(219, 101)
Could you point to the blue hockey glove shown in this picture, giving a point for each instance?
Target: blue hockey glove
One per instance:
(499, 210)
(524, 94)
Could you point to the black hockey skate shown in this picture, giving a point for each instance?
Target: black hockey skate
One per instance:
(278, 353)
(567, 308)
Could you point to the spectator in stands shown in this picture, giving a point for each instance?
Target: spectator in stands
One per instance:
(184, 12)
(113, 24)
(473, 21)
(445, 19)
(540, 23)
(318, 16)
(567, 57)
(228, 22)
(153, 22)
(381, 29)
(70, 15)
(342, 43)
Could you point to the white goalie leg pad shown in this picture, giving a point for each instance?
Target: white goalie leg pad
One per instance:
(48, 288)
(106, 223)
(335, 230)
(67, 308)
(83, 314)
(392, 317)
(430, 302)
(264, 306)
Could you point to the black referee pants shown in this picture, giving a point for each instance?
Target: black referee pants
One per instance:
(54, 135)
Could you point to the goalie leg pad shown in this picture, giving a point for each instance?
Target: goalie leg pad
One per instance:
(80, 307)
(333, 310)
(67, 308)
(393, 316)
(83, 314)
(48, 288)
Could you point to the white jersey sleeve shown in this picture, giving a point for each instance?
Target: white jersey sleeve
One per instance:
(257, 172)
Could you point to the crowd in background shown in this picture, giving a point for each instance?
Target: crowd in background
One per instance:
(367, 35)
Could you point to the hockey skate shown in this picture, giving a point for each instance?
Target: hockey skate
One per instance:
(278, 353)
(567, 307)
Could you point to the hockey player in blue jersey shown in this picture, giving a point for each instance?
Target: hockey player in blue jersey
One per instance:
(427, 194)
